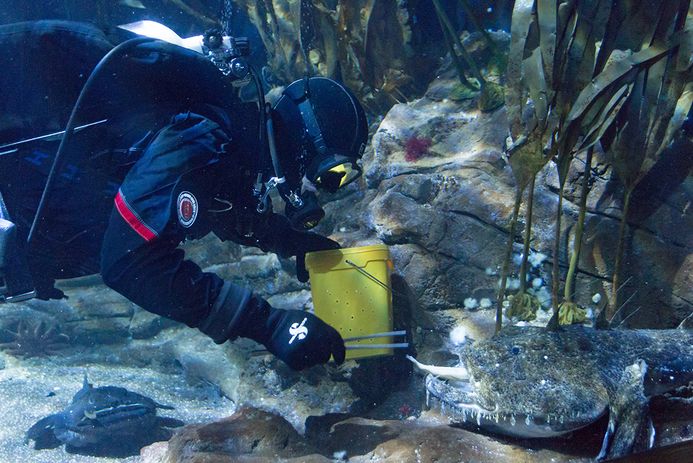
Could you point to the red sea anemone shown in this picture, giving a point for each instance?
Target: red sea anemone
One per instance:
(416, 147)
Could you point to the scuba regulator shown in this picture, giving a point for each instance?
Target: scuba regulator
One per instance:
(229, 55)
(315, 159)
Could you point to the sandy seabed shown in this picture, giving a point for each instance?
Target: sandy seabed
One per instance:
(34, 388)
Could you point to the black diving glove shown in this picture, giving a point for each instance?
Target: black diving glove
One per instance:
(310, 242)
(298, 338)
(277, 235)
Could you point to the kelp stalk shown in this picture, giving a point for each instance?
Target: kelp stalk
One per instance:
(451, 38)
(447, 25)
(506, 261)
(619, 255)
(204, 18)
(528, 236)
(579, 230)
(555, 271)
(524, 305)
(470, 15)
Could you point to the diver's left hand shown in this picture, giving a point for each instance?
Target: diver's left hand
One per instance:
(310, 242)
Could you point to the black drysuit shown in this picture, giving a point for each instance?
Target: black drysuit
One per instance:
(174, 160)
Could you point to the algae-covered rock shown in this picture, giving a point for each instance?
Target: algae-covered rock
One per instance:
(492, 97)
(252, 435)
(250, 432)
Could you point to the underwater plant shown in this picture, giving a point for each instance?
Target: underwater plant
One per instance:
(364, 43)
(491, 93)
(33, 339)
(570, 71)
(659, 101)
(570, 312)
(523, 306)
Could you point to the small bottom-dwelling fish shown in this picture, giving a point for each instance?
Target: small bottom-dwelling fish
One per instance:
(533, 382)
(102, 418)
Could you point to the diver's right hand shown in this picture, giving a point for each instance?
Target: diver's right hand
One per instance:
(300, 339)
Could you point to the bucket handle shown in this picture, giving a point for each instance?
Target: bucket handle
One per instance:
(369, 275)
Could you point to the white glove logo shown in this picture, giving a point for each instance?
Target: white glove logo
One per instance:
(298, 330)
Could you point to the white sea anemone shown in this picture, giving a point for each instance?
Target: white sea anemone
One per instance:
(485, 303)
(458, 335)
(536, 258)
(537, 282)
(544, 296)
(596, 298)
(471, 303)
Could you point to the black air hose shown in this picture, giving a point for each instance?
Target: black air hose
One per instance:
(69, 129)
(262, 133)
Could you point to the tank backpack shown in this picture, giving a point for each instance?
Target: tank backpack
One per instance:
(45, 67)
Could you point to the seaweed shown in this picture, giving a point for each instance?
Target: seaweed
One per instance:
(568, 311)
(491, 93)
(571, 74)
(523, 306)
(364, 43)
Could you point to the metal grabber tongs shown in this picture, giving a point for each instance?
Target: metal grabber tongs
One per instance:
(394, 345)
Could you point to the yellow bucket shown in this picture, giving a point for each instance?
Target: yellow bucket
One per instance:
(351, 292)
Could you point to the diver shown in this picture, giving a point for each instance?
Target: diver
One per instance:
(161, 151)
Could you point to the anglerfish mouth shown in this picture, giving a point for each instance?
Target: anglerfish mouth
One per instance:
(454, 388)
(459, 398)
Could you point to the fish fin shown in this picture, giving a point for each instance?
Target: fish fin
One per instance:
(73, 438)
(43, 432)
(651, 433)
(458, 373)
(607, 437)
(166, 422)
(628, 413)
(86, 388)
(418, 364)
(164, 407)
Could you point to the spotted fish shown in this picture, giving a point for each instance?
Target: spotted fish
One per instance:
(100, 416)
(532, 382)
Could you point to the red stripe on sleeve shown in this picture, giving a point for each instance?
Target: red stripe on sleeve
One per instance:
(132, 218)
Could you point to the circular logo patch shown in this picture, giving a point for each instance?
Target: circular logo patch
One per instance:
(187, 208)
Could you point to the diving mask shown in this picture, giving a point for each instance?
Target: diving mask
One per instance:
(335, 174)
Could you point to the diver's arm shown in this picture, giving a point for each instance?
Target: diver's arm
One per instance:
(273, 233)
(155, 276)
